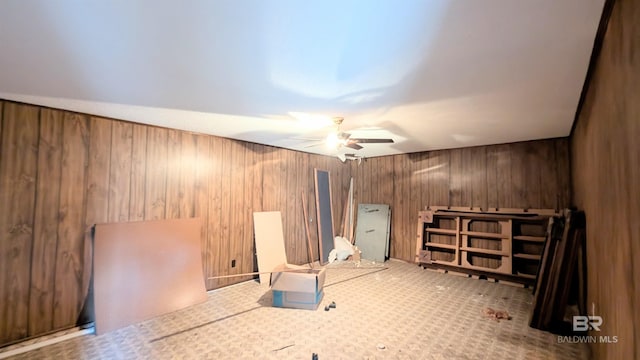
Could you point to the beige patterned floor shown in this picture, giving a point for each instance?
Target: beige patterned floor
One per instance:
(402, 312)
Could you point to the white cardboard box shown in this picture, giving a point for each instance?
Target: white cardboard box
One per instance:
(292, 286)
(298, 288)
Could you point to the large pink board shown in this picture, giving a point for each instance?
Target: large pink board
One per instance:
(145, 269)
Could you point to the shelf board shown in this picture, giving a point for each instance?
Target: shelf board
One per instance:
(442, 246)
(444, 262)
(526, 276)
(442, 231)
(484, 251)
(529, 238)
(527, 256)
(484, 235)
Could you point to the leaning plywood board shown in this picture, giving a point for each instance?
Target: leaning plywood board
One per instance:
(324, 210)
(269, 242)
(145, 269)
(372, 231)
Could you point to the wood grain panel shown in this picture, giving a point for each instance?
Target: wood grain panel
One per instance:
(187, 175)
(469, 176)
(212, 250)
(503, 175)
(518, 186)
(120, 171)
(245, 262)
(138, 179)
(459, 194)
(478, 177)
(399, 206)
(414, 170)
(45, 240)
(69, 274)
(201, 192)
(224, 231)
(156, 174)
(606, 182)
(563, 172)
(236, 209)
(17, 202)
(97, 195)
(438, 167)
(174, 164)
(482, 176)
(532, 173)
(492, 176)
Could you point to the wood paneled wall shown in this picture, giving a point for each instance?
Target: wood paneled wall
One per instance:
(605, 151)
(61, 172)
(532, 174)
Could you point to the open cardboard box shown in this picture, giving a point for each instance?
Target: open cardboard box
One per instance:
(292, 286)
(299, 288)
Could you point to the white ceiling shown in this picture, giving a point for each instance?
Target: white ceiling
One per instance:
(430, 74)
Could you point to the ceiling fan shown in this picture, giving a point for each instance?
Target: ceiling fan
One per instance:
(337, 139)
(345, 157)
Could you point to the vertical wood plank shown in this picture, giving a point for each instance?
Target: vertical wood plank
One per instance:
(386, 184)
(247, 249)
(292, 210)
(187, 175)
(213, 248)
(503, 175)
(492, 176)
(478, 177)
(518, 175)
(156, 174)
(97, 207)
(69, 272)
(439, 162)
(138, 173)
(532, 174)
(549, 184)
(174, 163)
(201, 194)
(468, 177)
(563, 174)
(43, 263)
(120, 171)
(399, 200)
(18, 172)
(458, 189)
(224, 232)
(236, 208)
(606, 181)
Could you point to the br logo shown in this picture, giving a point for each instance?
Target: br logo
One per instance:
(586, 323)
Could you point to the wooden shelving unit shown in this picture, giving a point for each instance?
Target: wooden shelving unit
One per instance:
(506, 243)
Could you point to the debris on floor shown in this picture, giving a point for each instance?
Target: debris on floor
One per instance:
(496, 314)
(330, 306)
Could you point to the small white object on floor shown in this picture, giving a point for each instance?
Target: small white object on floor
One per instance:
(381, 347)
(343, 249)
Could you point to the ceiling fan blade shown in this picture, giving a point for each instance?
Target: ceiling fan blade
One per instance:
(343, 135)
(371, 141)
(353, 145)
(315, 144)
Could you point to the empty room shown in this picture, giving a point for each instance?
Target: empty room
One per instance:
(319, 179)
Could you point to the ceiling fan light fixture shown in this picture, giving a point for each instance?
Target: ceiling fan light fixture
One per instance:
(332, 141)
